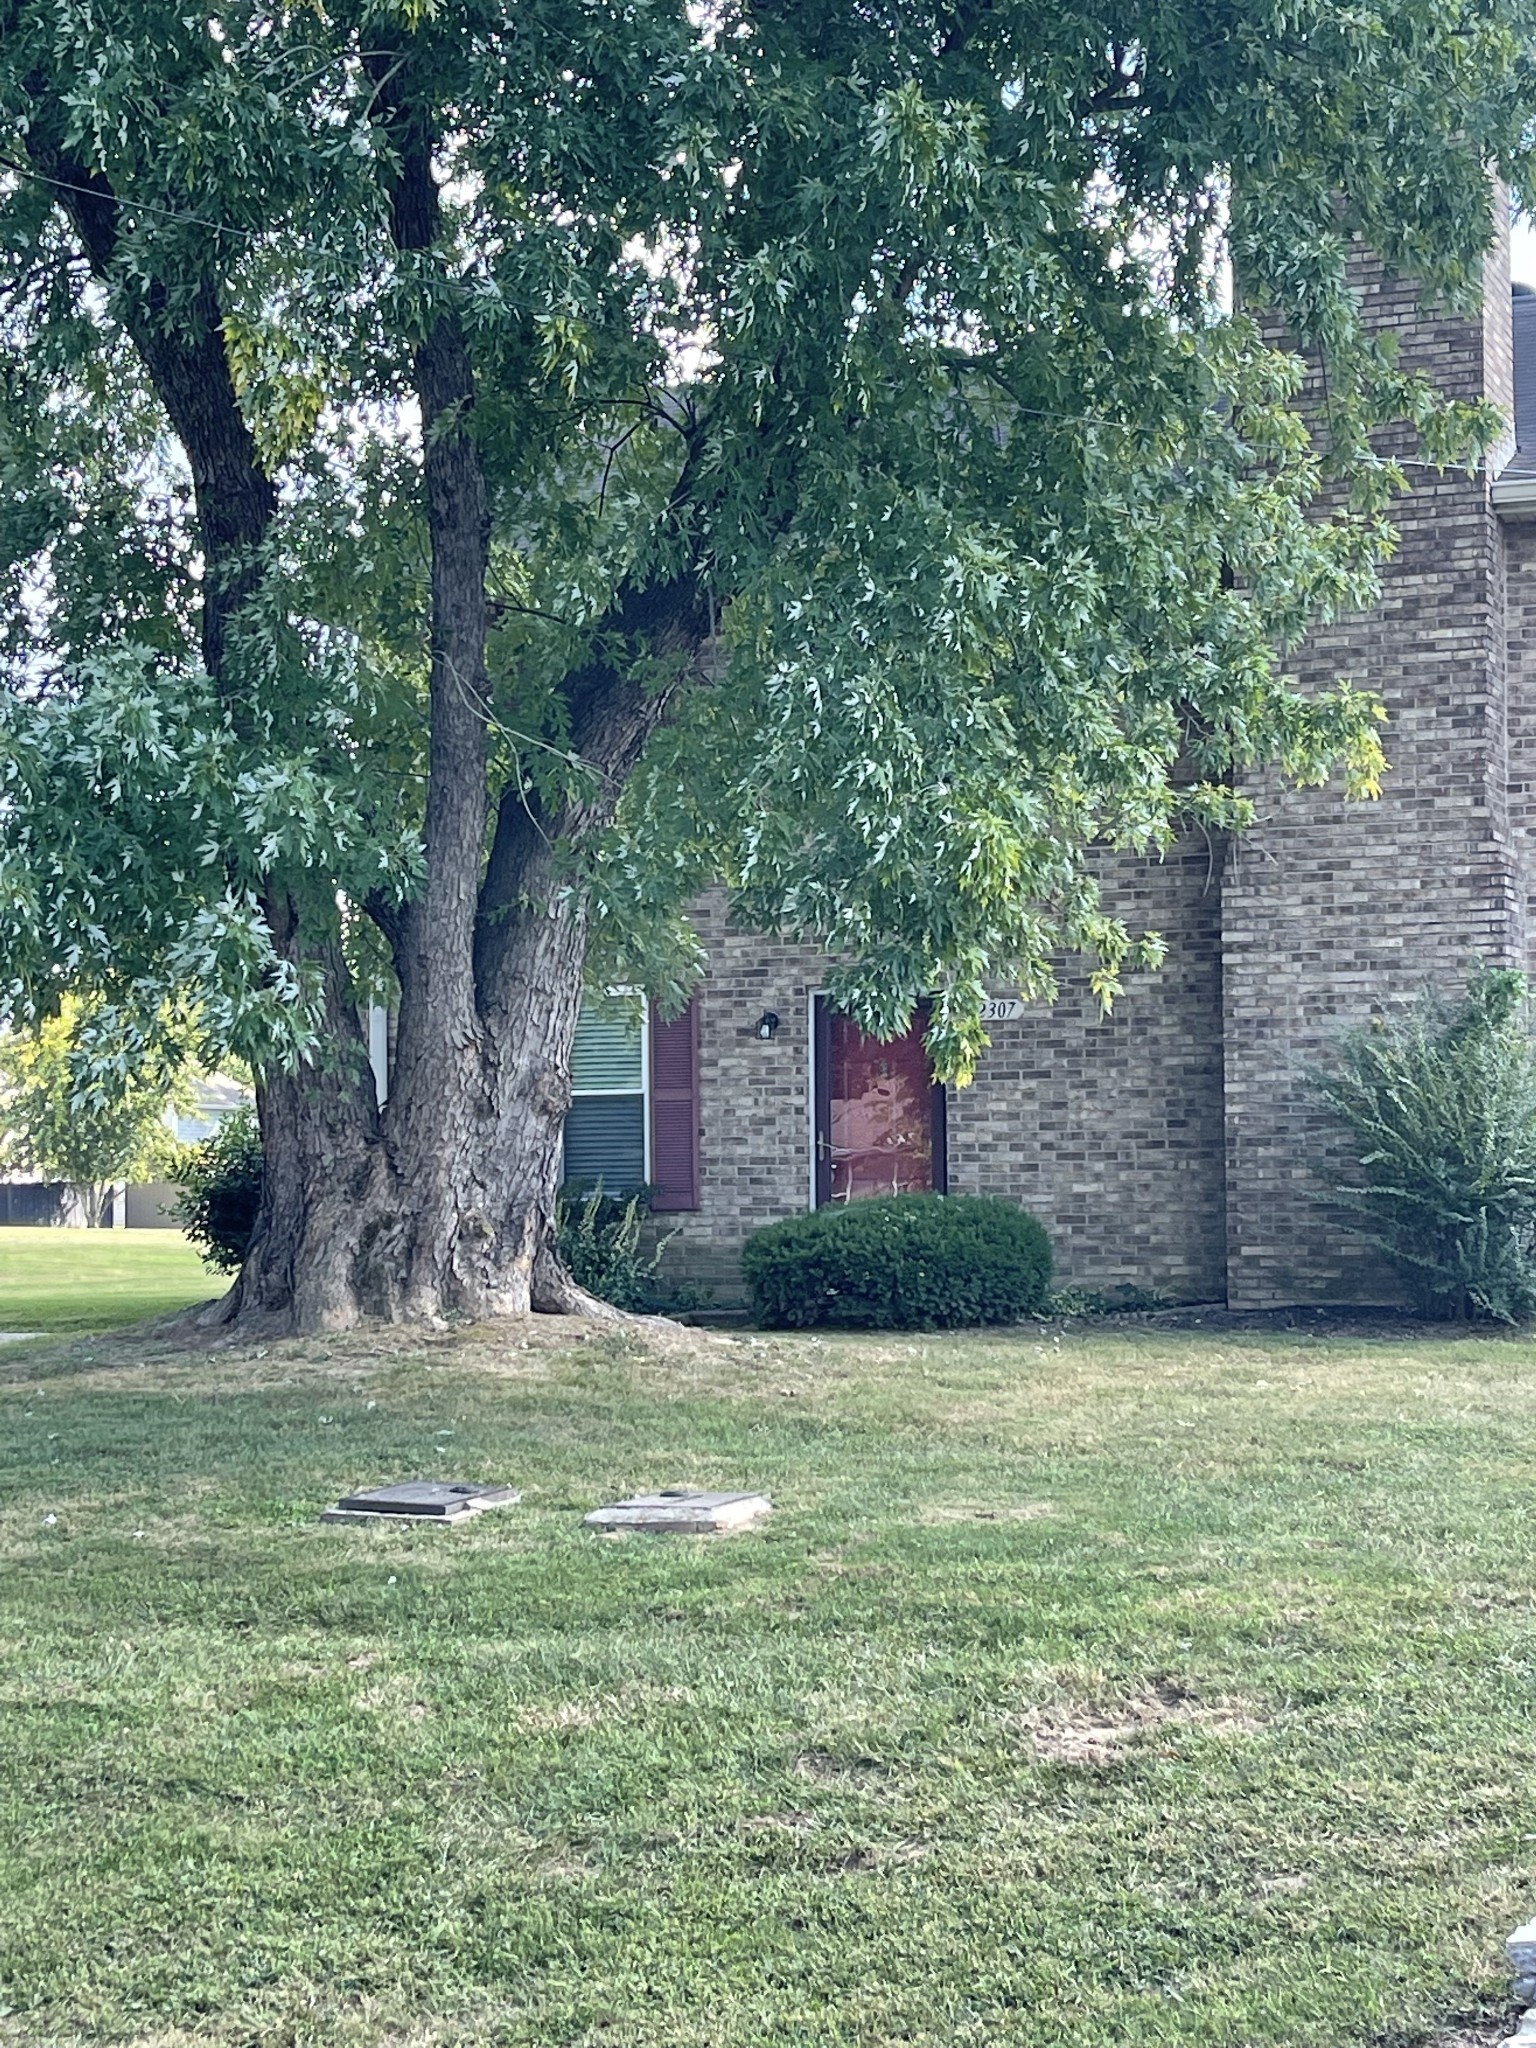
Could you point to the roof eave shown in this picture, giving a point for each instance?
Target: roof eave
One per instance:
(1514, 497)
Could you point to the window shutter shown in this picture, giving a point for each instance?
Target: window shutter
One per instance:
(675, 1110)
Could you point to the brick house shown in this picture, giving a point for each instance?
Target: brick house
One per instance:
(1169, 1145)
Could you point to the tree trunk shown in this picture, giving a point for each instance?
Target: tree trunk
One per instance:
(443, 1205)
(324, 1155)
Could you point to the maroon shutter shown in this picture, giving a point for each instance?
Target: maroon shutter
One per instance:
(675, 1110)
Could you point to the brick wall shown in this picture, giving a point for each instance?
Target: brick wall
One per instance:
(1520, 673)
(1108, 1128)
(754, 1097)
(1332, 908)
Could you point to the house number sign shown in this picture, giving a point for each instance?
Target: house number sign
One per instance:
(1001, 1010)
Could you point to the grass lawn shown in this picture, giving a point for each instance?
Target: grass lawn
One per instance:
(71, 1280)
(1167, 1690)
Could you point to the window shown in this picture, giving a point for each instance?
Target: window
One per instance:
(634, 1114)
(605, 1127)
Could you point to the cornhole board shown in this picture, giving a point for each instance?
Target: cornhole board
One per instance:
(678, 1512)
(422, 1500)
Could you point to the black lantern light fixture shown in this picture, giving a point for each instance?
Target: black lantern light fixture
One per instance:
(767, 1024)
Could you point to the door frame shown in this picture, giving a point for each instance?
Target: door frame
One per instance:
(819, 1036)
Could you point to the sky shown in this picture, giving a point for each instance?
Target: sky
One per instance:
(1522, 252)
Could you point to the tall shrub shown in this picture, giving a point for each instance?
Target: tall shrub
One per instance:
(601, 1239)
(221, 1182)
(1439, 1171)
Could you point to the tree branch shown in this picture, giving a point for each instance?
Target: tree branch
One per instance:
(183, 352)
(434, 953)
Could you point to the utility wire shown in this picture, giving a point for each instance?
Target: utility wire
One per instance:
(199, 220)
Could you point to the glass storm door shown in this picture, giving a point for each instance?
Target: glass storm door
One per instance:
(879, 1113)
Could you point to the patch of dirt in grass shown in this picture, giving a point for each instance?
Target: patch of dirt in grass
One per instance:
(1085, 1736)
(173, 2037)
(832, 1566)
(844, 1859)
(867, 1857)
(965, 1511)
(363, 2024)
(572, 1868)
(823, 1768)
(395, 1697)
(565, 1714)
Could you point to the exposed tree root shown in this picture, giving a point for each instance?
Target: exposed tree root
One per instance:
(553, 1293)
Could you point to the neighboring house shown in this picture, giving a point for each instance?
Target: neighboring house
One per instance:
(151, 1205)
(25, 1198)
(214, 1097)
(1170, 1145)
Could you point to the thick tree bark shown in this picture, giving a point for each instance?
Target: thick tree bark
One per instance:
(531, 932)
(326, 1165)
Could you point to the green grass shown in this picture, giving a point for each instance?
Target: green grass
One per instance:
(77, 1280)
(1173, 1691)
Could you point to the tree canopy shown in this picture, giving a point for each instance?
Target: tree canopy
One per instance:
(457, 460)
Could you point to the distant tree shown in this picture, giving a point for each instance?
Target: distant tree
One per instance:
(61, 1119)
(471, 475)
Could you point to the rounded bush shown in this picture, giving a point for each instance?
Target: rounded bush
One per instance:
(900, 1262)
(221, 1182)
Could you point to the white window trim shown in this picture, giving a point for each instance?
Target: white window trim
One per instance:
(812, 997)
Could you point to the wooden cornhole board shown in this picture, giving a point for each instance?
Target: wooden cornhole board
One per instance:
(423, 1500)
(680, 1513)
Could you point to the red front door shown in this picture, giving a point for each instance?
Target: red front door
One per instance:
(879, 1115)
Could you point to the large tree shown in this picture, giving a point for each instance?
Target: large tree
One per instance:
(472, 474)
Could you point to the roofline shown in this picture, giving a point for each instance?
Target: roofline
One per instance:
(1514, 497)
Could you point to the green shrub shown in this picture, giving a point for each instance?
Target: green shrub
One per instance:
(1439, 1172)
(220, 1182)
(600, 1238)
(900, 1262)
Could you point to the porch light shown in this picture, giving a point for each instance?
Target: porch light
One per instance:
(767, 1024)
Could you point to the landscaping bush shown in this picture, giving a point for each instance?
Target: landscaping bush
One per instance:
(900, 1262)
(600, 1238)
(220, 1182)
(1439, 1108)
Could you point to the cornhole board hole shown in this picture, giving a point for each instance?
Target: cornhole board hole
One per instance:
(422, 1500)
(681, 1513)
